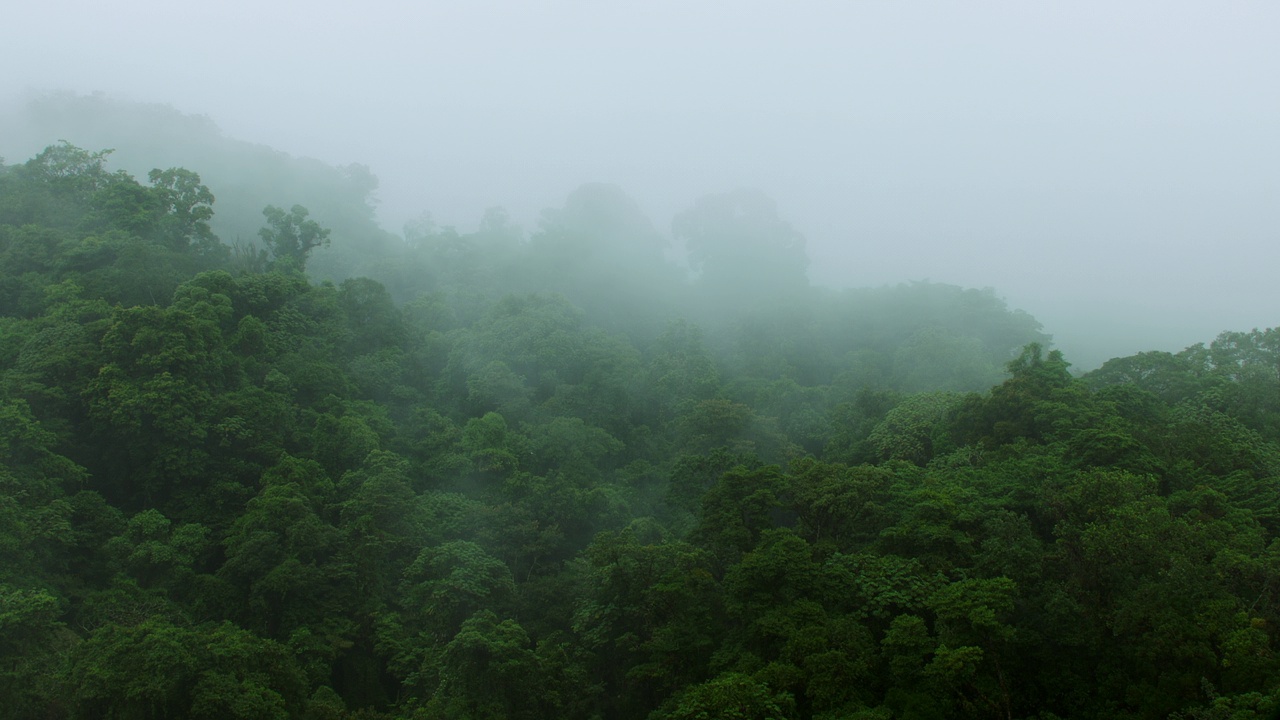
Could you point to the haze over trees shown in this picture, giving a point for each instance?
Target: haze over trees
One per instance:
(494, 474)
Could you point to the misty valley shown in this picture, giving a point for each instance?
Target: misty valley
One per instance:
(262, 458)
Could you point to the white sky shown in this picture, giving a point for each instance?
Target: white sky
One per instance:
(1111, 167)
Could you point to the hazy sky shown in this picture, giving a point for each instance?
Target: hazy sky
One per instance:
(1111, 167)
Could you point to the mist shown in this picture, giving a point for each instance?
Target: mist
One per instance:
(1110, 170)
(639, 361)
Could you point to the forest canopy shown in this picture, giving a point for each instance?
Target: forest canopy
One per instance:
(484, 475)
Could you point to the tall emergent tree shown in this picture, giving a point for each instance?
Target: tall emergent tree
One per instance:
(291, 236)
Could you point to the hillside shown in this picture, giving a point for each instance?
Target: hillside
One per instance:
(555, 475)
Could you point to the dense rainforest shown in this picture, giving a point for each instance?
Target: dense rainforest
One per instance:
(491, 475)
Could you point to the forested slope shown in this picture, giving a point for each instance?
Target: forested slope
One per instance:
(553, 477)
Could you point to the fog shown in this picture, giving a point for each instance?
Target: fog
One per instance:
(1113, 169)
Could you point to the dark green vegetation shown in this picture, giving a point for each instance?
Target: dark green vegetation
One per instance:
(554, 478)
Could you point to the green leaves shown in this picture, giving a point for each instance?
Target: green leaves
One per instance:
(447, 584)
(490, 670)
(239, 494)
(291, 237)
(32, 639)
(187, 207)
(731, 696)
(914, 430)
(156, 670)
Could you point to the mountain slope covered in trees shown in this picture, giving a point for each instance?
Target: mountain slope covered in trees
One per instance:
(493, 476)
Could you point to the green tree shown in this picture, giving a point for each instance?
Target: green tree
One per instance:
(33, 644)
(915, 430)
(651, 616)
(291, 237)
(187, 209)
(283, 558)
(731, 696)
(449, 583)
(380, 519)
(159, 670)
(490, 670)
(741, 506)
(837, 505)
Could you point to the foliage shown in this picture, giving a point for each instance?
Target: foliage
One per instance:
(291, 236)
(557, 478)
